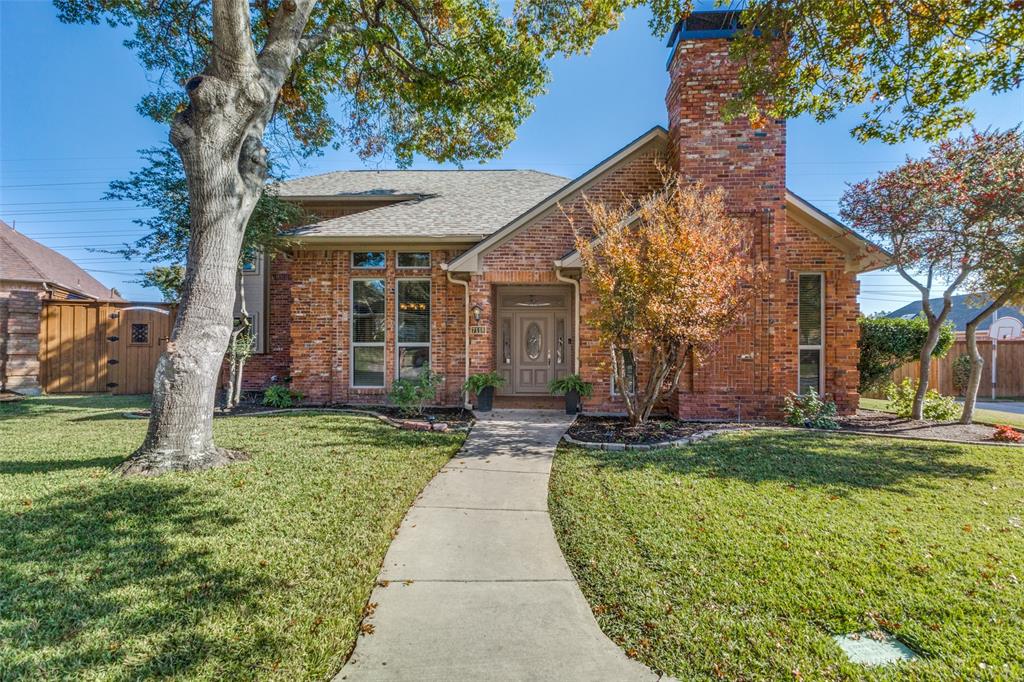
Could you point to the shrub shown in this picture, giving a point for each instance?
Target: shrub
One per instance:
(478, 382)
(937, 407)
(810, 411)
(1007, 434)
(571, 382)
(280, 396)
(961, 373)
(411, 395)
(886, 343)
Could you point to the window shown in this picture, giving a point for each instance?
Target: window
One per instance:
(368, 259)
(414, 259)
(811, 341)
(140, 334)
(251, 265)
(413, 327)
(368, 333)
(629, 370)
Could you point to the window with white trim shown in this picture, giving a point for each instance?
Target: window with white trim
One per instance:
(629, 370)
(413, 259)
(412, 327)
(368, 333)
(369, 259)
(811, 333)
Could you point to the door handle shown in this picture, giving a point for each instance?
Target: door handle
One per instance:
(549, 355)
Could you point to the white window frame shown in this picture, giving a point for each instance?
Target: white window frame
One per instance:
(399, 345)
(819, 347)
(383, 345)
(352, 261)
(399, 266)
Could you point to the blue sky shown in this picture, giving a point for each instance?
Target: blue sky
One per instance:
(68, 126)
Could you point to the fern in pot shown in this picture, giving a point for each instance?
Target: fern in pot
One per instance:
(574, 388)
(483, 385)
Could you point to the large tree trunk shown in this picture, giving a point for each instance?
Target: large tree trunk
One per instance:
(225, 170)
(219, 137)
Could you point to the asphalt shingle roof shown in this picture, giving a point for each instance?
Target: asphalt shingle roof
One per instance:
(25, 259)
(448, 203)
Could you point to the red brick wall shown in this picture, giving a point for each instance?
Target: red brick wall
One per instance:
(276, 360)
(309, 326)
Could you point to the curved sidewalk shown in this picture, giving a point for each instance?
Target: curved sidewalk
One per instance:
(477, 588)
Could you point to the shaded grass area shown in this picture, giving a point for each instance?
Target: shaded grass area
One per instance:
(740, 557)
(255, 571)
(980, 416)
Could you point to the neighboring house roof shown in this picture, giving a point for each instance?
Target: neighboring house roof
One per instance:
(450, 205)
(965, 308)
(23, 259)
(468, 261)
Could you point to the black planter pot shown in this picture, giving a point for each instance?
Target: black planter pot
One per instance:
(572, 402)
(485, 399)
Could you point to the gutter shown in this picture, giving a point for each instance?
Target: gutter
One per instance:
(465, 286)
(576, 317)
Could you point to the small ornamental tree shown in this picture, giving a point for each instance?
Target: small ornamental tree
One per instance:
(984, 178)
(670, 276)
(929, 237)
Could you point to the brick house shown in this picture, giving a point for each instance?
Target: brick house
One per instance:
(29, 274)
(473, 271)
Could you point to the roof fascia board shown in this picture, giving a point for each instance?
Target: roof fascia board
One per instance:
(470, 261)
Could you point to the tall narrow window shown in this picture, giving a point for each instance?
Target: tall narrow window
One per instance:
(413, 297)
(368, 330)
(811, 333)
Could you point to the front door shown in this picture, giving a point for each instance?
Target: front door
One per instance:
(534, 368)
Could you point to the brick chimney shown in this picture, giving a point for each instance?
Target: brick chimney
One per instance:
(752, 365)
(750, 163)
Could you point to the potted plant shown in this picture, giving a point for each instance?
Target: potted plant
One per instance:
(483, 386)
(574, 388)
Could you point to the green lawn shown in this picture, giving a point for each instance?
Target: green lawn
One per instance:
(740, 557)
(255, 571)
(980, 416)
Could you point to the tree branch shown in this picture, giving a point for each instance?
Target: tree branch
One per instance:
(232, 53)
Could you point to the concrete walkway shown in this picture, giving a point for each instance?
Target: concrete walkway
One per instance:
(477, 588)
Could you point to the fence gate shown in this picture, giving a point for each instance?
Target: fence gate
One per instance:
(91, 347)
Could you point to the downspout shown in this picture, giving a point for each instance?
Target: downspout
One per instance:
(465, 286)
(576, 317)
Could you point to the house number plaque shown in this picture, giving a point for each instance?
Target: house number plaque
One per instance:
(478, 330)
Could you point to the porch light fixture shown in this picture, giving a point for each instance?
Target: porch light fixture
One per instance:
(476, 312)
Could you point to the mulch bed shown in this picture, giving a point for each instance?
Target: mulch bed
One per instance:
(872, 421)
(655, 430)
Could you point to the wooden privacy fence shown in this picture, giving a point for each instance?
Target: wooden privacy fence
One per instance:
(1009, 369)
(97, 347)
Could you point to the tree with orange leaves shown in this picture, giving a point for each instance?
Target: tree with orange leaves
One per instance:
(671, 274)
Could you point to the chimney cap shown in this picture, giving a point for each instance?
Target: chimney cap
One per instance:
(706, 25)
